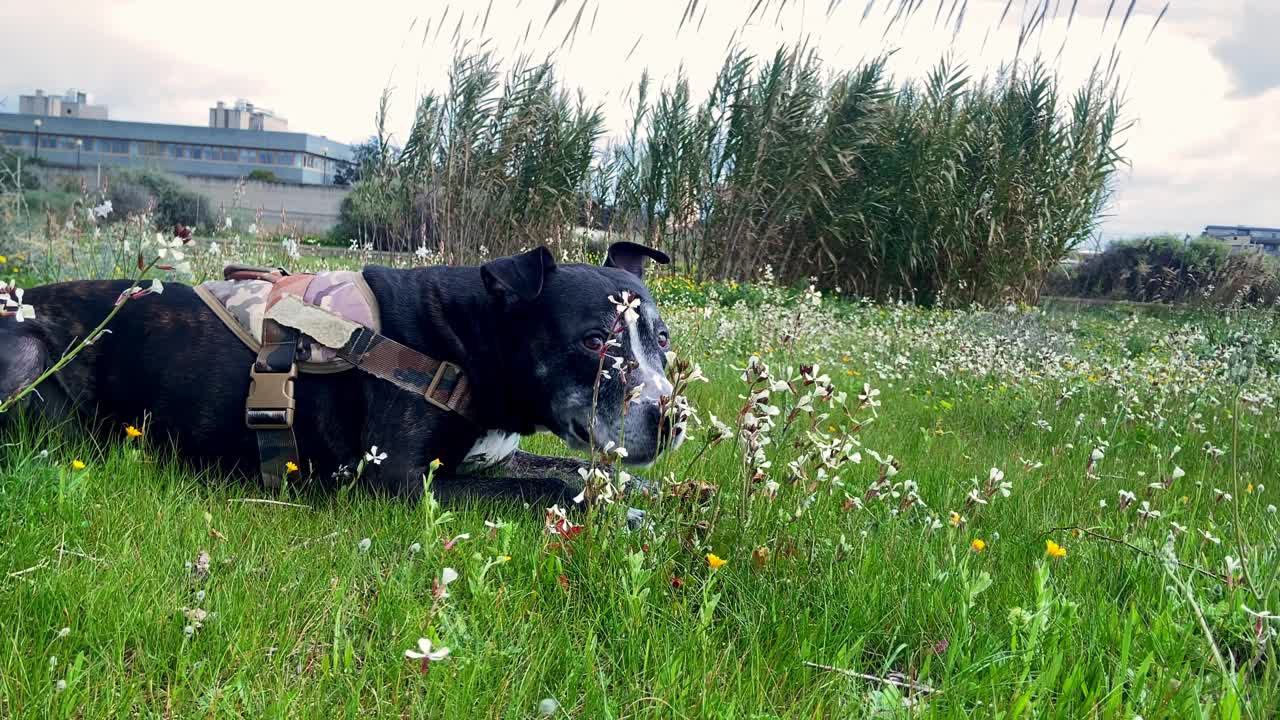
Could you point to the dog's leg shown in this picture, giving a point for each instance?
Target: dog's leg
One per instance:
(539, 480)
(398, 425)
(523, 464)
(538, 492)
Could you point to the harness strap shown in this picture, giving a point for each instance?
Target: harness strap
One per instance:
(269, 410)
(441, 383)
(270, 406)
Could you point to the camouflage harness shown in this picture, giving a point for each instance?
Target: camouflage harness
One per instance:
(320, 323)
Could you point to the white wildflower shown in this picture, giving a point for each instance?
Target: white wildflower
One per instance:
(425, 653)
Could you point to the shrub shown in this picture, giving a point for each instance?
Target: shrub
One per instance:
(10, 177)
(57, 201)
(137, 191)
(1166, 269)
(71, 184)
(263, 176)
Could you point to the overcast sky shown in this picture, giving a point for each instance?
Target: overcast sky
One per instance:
(1204, 90)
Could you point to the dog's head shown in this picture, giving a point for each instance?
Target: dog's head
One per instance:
(566, 328)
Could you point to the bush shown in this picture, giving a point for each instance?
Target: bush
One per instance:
(266, 176)
(71, 184)
(9, 175)
(138, 191)
(1166, 269)
(57, 201)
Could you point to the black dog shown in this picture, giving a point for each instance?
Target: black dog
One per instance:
(527, 332)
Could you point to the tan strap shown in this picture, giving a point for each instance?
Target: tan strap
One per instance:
(440, 383)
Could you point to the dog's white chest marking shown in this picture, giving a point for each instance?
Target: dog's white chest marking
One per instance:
(494, 447)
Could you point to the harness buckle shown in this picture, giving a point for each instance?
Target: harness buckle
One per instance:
(271, 403)
(435, 384)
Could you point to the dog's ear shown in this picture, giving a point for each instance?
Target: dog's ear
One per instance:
(630, 256)
(518, 278)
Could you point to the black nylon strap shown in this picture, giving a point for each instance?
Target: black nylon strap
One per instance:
(272, 419)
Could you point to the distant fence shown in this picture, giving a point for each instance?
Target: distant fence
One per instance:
(306, 208)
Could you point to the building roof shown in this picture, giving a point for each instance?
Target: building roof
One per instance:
(1241, 229)
(194, 134)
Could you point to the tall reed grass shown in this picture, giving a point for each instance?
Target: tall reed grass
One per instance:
(953, 188)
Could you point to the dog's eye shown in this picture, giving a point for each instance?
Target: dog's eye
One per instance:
(663, 340)
(594, 343)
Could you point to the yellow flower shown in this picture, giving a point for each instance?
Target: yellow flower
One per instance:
(291, 466)
(978, 545)
(715, 561)
(435, 464)
(504, 558)
(956, 519)
(77, 465)
(132, 431)
(1248, 488)
(3, 259)
(1054, 550)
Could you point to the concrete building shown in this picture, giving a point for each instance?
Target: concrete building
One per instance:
(179, 149)
(74, 104)
(244, 116)
(1245, 237)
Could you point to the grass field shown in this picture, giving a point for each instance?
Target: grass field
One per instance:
(1008, 514)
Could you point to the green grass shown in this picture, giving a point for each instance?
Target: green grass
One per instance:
(303, 623)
